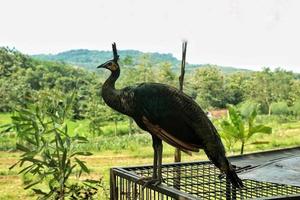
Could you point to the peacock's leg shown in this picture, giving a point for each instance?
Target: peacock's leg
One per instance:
(159, 162)
(155, 157)
(156, 178)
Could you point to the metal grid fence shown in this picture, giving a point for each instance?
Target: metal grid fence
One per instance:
(196, 180)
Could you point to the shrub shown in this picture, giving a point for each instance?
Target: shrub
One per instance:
(295, 109)
(49, 151)
(280, 108)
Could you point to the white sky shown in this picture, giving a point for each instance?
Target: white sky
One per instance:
(241, 33)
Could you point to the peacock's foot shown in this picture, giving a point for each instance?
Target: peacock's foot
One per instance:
(150, 181)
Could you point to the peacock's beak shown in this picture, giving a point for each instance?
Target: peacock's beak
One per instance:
(101, 66)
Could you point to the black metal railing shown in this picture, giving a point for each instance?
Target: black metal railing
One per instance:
(194, 180)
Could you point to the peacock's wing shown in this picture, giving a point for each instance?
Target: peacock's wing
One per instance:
(175, 113)
(169, 138)
(177, 119)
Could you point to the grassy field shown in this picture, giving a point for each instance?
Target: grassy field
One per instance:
(129, 150)
(11, 184)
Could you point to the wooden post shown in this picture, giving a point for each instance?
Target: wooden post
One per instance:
(177, 156)
(181, 77)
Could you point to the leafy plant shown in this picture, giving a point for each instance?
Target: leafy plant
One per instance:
(236, 128)
(87, 190)
(49, 152)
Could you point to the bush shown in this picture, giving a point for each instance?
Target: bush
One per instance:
(295, 109)
(280, 108)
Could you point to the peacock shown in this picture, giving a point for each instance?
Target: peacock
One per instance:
(169, 115)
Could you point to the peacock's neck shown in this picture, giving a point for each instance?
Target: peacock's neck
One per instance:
(110, 82)
(110, 94)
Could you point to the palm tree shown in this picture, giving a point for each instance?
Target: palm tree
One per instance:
(241, 128)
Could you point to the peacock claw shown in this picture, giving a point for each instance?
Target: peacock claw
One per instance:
(150, 181)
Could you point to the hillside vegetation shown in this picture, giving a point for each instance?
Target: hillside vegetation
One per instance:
(89, 59)
(25, 80)
(34, 91)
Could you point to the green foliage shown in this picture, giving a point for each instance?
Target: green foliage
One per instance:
(50, 154)
(267, 87)
(25, 81)
(208, 83)
(11, 59)
(280, 108)
(23, 77)
(295, 109)
(166, 75)
(235, 87)
(294, 93)
(236, 128)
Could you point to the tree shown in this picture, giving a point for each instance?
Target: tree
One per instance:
(235, 88)
(127, 61)
(282, 84)
(144, 67)
(11, 61)
(294, 93)
(208, 82)
(239, 128)
(34, 77)
(14, 92)
(260, 88)
(21, 77)
(165, 74)
(267, 87)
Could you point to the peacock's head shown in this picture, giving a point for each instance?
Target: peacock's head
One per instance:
(112, 65)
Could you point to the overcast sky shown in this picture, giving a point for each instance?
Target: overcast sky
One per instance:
(241, 33)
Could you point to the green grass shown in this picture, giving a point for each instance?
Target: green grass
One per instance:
(99, 163)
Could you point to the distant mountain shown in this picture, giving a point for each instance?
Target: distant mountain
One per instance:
(89, 59)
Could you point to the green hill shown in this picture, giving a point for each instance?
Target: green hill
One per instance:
(89, 59)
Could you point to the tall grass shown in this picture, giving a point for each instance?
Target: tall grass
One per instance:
(117, 143)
